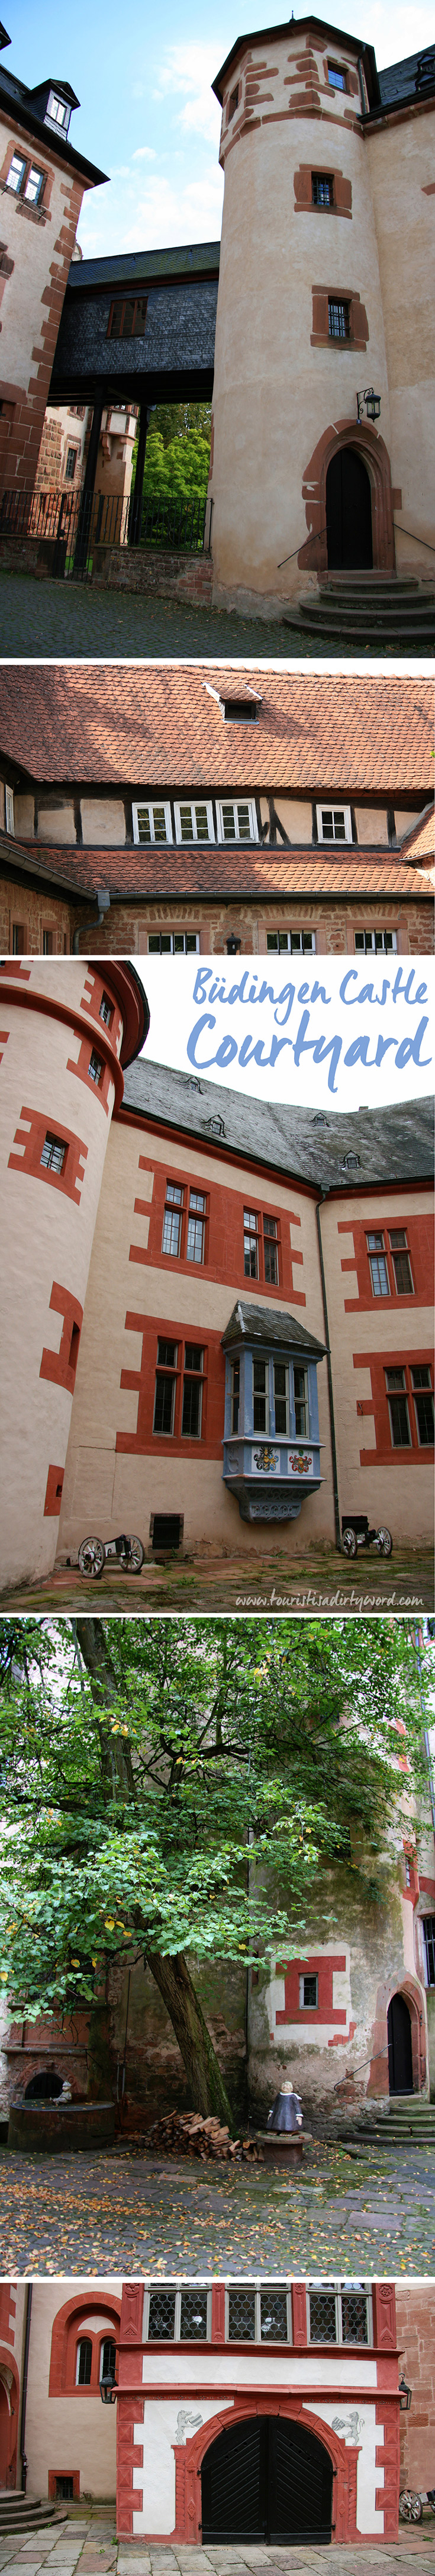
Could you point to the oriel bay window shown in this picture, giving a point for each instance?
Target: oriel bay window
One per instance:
(271, 1441)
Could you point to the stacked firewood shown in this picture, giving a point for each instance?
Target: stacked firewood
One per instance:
(184, 2133)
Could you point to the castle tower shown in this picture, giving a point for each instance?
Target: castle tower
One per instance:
(313, 310)
(66, 1032)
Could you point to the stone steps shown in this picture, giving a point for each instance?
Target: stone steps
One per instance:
(20, 2512)
(371, 612)
(408, 2121)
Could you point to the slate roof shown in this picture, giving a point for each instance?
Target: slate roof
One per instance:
(244, 871)
(15, 95)
(393, 1144)
(148, 725)
(130, 267)
(255, 1324)
(412, 78)
(179, 331)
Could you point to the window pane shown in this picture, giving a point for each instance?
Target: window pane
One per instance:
(420, 1377)
(301, 1402)
(309, 1996)
(241, 2324)
(322, 189)
(193, 1356)
(273, 2316)
(402, 1274)
(106, 1010)
(337, 80)
(167, 1354)
(195, 1238)
(395, 1379)
(235, 1395)
(354, 2319)
(127, 319)
(192, 1408)
(34, 186)
(380, 1279)
(400, 1432)
(260, 1380)
(84, 2362)
(424, 1409)
(338, 318)
(164, 1403)
(140, 316)
(161, 2323)
(108, 2359)
(280, 1386)
(333, 823)
(95, 1067)
(250, 1243)
(428, 1930)
(322, 2317)
(16, 173)
(193, 2316)
(375, 1242)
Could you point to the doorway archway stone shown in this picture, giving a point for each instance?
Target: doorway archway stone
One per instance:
(313, 554)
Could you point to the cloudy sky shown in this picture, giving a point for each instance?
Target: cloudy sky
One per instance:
(147, 116)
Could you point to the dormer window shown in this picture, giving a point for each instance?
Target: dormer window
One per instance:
(334, 822)
(58, 111)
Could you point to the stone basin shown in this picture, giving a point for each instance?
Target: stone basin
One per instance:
(60, 2128)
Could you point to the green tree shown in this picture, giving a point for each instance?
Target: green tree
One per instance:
(171, 1790)
(177, 459)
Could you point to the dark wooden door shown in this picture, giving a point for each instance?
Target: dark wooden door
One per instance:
(399, 2046)
(348, 513)
(267, 2479)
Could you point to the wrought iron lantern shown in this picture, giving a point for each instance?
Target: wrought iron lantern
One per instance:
(372, 403)
(108, 2389)
(233, 946)
(405, 2395)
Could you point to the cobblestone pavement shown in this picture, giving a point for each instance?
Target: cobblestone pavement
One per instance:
(324, 1582)
(71, 621)
(90, 2545)
(121, 2210)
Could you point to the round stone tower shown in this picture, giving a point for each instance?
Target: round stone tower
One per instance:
(66, 1030)
(298, 486)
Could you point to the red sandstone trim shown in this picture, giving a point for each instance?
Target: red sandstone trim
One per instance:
(53, 1492)
(67, 2327)
(70, 1181)
(60, 1366)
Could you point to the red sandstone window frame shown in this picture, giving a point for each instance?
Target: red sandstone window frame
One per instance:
(175, 1374)
(261, 1228)
(181, 1210)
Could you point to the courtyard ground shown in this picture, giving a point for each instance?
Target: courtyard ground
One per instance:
(89, 2545)
(315, 1583)
(71, 621)
(120, 2210)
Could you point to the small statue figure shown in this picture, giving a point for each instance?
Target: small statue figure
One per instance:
(66, 2094)
(286, 2112)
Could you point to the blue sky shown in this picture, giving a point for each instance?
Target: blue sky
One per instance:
(147, 115)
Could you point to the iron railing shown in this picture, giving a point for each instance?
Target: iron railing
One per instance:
(75, 523)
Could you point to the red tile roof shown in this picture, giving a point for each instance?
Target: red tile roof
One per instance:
(247, 871)
(155, 724)
(419, 843)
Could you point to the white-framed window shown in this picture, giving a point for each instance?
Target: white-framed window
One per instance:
(339, 2312)
(294, 943)
(34, 185)
(236, 818)
(152, 823)
(194, 821)
(375, 943)
(378, 1265)
(255, 2315)
(16, 174)
(9, 811)
(57, 109)
(177, 2316)
(173, 943)
(334, 822)
(308, 1991)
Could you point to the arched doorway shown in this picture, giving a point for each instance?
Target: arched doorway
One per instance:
(44, 2087)
(5, 2427)
(348, 513)
(267, 2479)
(400, 2078)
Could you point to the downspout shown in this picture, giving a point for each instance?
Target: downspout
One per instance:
(24, 2388)
(103, 901)
(330, 1386)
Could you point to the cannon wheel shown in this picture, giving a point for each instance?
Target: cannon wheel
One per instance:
(135, 1560)
(385, 1541)
(349, 1541)
(410, 2506)
(91, 1558)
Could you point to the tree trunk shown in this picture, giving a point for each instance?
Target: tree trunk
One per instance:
(196, 2048)
(171, 1974)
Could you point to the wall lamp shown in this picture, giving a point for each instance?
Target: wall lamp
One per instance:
(372, 403)
(405, 2395)
(108, 2389)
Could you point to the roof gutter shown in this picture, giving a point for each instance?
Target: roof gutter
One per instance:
(330, 1386)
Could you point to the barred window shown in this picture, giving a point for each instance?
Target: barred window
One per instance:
(375, 943)
(291, 943)
(339, 317)
(322, 188)
(53, 1153)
